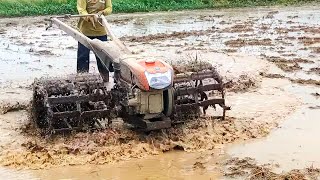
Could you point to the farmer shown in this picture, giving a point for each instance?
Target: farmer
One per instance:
(90, 27)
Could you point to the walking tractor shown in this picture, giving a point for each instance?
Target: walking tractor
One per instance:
(145, 93)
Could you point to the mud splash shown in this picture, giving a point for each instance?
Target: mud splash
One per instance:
(8, 107)
(120, 144)
(249, 169)
(243, 84)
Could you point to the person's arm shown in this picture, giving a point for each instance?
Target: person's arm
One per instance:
(108, 9)
(82, 7)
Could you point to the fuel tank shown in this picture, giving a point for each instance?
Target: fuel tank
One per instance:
(147, 74)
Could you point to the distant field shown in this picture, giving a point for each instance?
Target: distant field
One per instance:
(48, 7)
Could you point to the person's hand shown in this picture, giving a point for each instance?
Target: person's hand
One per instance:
(100, 13)
(91, 19)
(97, 17)
(88, 18)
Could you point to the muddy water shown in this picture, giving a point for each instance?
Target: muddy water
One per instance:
(294, 145)
(17, 175)
(177, 165)
(33, 52)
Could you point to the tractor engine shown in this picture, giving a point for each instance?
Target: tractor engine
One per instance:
(148, 87)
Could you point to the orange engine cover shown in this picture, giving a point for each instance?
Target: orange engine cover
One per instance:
(147, 74)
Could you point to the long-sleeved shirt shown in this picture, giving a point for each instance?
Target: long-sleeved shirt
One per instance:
(92, 7)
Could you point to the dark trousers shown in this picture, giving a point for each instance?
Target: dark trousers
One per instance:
(83, 58)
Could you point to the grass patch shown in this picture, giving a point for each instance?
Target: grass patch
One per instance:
(9, 8)
(36, 7)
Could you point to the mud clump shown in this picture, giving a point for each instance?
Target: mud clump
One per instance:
(315, 70)
(230, 50)
(97, 148)
(248, 42)
(271, 14)
(164, 36)
(307, 41)
(243, 84)
(3, 31)
(118, 144)
(224, 22)
(121, 21)
(274, 76)
(239, 28)
(292, 17)
(190, 65)
(306, 81)
(289, 67)
(41, 52)
(8, 107)
(316, 50)
(313, 30)
(11, 24)
(314, 107)
(277, 60)
(301, 60)
(209, 17)
(282, 30)
(248, 168)
(198, 165)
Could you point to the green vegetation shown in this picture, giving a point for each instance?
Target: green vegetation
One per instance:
(48, 7)
(36, 7)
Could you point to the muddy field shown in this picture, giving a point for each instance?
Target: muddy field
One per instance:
(269, 59)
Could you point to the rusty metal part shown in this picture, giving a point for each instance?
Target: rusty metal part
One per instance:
(77, 102)
(198, 90)
(83, 102)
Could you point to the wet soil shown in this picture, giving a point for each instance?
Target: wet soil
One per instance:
(164, 36)
(243, 42)
(306, 81)
(315, 70)
(260, 54)
(120, 144)
(248, 168)
(5, 108)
